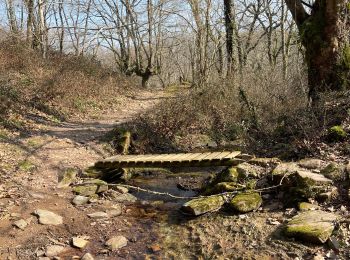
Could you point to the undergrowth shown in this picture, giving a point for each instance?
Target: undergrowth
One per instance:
(59, 86)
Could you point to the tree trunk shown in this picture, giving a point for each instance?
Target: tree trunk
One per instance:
(229, 26)
(325, 35)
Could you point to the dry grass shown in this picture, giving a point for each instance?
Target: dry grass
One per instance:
(262, 112)
(61, 85)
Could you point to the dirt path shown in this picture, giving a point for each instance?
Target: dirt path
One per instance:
(30, 170)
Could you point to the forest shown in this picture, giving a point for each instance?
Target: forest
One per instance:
(174, 129)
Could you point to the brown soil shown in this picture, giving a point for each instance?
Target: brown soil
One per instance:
(31, 167)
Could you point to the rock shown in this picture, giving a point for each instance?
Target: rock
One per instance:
(126, 197)
(304, 206)
(21, 224)
(69, 177)
(333, 172)
(44, 258)
(117, 242)
(200, 206)
(121, 189)
(246, 202)
(222, 187)
(285, 169)
(98, 215)
(48, 218)
(91, 187)
(336, 133)
(87, 256)
(116, 211)
(265, 162)
(313, 178)
(312, 226)
(310, 163)
(54, 250)
(79, 242)
(228, 175)
(80, 200)
(246, 170)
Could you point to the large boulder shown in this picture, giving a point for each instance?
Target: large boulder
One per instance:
(299, 184)
(246, 202)
(312, 226)
(201, 206)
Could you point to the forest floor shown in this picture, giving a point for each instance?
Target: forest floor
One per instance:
(32, 166)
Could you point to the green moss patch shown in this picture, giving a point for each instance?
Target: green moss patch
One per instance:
(246, 202)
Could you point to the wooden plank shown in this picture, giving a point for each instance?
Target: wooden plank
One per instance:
(216, 155)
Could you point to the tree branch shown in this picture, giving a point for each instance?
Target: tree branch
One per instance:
(298, 11)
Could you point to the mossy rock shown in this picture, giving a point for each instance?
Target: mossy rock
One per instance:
(336, 134)
(333, 172)
(305, 206)
(246, 171)
(311, 163)
(69, 176)
(91, 187)
(311, 226)
(246, 202)
(228, 175)
(201, 206)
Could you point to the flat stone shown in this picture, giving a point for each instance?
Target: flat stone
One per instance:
(48, 218)
(311, 163)
(126, 197)
(54, 250)
(87, 256)
(80, 200)
(316, 178)
(121, 189)
(69, 177)
(98, 215)
(114, 212)
(246, 202)
(312, 226)
(200, 206)
(117, 242)
(285, 169)
(21, 224)
(304, 206)
(79, 242)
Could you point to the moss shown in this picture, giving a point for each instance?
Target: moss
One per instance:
(69, 176)
(228, 175)
(91, 187)
(246, 202)
(201, 206)
(336, 133)
(26, 166)
(304, 206)
(333, 172)
(311, 226)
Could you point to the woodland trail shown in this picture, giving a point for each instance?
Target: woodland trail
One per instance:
(31, 168)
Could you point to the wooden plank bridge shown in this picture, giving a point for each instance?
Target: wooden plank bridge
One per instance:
(173, 160)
